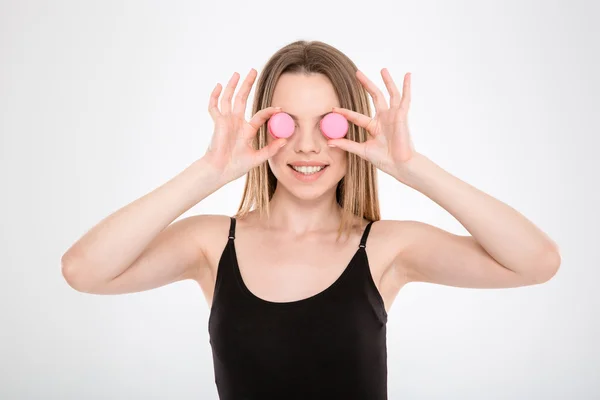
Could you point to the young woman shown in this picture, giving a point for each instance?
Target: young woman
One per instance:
(300, 281)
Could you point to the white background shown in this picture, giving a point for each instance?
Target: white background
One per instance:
(101, 102)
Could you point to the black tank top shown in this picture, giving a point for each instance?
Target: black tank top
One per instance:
(331, 345)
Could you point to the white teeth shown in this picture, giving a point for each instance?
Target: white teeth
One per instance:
(308, 170)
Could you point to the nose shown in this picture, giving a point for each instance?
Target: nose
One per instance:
(308, 138)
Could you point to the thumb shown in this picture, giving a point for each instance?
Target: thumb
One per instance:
(269, 151)
(348, 145)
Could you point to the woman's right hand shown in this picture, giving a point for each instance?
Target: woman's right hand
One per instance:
(230, 151)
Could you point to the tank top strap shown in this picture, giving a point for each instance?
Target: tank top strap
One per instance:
(363, 279)
(225, 287)
(232, 228)
(363, 240)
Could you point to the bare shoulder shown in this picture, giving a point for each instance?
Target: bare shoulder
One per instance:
(210, 225)
(210, 232)
(391, 234)
(398, 234)
(387, 240)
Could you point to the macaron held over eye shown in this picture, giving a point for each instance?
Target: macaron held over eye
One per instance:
(281, 125)
(333, 126)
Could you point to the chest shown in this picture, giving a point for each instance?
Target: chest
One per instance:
(277, 269)
(284, 272)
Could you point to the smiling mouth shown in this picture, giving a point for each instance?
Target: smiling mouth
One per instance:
(308, 170)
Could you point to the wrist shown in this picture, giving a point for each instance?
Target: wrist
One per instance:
(409, 172)
(416, 172)
(206, 173)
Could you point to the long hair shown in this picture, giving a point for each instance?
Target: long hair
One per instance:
(356, 193)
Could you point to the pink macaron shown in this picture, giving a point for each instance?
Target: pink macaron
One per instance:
(334, 126)
(281, 125)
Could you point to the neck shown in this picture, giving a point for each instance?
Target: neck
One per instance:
(300, 215)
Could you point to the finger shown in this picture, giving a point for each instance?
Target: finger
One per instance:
(270, 150)
(405, 103)
(358, 119)
(213, 109)
(228, 94)
(239, 106)
(376, 94)
(260, 118)
(349, 145)
(395, 97)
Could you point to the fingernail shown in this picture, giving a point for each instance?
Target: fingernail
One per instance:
(282, 144)
(331, 145)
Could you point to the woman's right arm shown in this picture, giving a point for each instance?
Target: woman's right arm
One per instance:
(138, 247)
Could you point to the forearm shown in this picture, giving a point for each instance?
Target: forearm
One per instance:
(510, 238)
(119, 239)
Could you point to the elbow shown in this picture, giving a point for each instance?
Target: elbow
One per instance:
(69, 270)
(548, 266)
(73, 272)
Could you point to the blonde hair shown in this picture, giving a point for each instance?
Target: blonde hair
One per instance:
(356, 192)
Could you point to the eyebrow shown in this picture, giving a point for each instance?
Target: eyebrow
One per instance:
(295, 118)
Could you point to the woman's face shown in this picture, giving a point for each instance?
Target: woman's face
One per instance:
(306, 99)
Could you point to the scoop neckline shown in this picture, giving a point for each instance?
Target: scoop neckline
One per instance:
(292, 303)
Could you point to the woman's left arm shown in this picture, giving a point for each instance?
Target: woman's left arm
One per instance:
(504, 249)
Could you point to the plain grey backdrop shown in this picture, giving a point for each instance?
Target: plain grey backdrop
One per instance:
(101, 102)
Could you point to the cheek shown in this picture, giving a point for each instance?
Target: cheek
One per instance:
(340, 157)
(277, 162)
(339, 160)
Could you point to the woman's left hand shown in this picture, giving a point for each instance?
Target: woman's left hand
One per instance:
(390, 147)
